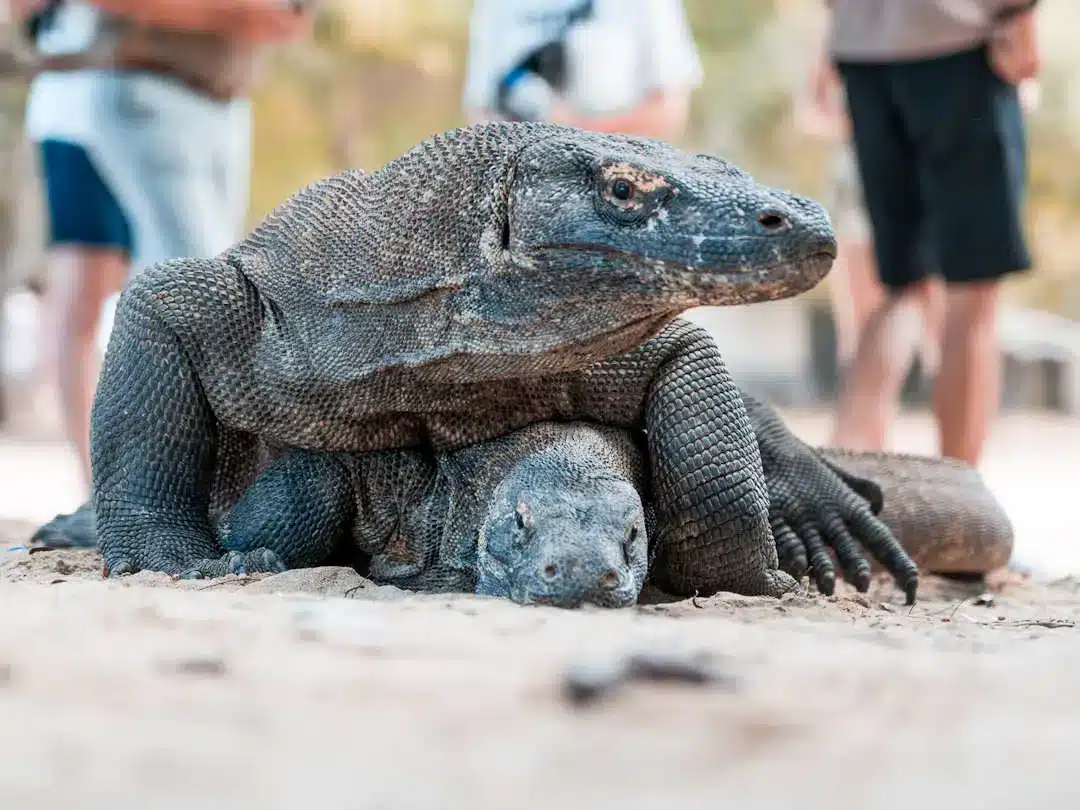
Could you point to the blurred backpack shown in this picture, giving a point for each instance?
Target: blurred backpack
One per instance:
(41, 20)
(547, 62)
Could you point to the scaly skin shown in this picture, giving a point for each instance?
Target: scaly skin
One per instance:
(939, 509)
(548, 514)
(815, 506)
(533, 498)
(490, 278)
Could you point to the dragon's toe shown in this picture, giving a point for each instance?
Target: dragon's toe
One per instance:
(121, 568)
(258, 561)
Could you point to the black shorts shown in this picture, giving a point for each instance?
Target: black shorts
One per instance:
(941, 150)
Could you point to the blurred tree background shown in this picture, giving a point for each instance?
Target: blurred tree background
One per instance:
(380, 75)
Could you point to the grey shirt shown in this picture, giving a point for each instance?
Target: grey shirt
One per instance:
(896, 30)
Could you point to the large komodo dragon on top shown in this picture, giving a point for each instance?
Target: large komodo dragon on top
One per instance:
(490, 278)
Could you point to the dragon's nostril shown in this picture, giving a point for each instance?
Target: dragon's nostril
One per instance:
(771, 221)
(550, 572)
(610, 579)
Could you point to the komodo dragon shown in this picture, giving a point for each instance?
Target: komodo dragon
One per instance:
(490, 278)
(576, 492)
(552, 513)
(556, 513)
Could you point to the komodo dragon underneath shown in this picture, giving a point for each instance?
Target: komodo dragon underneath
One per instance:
(556, 513)
(490, 278)
(552, 513)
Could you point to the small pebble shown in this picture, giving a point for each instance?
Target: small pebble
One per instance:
(985, 600)
(584, 684)
(211, 667)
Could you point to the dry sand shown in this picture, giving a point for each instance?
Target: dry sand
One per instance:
(147, 692)
(150, 693)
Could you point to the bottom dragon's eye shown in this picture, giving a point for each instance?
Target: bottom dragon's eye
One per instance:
(631, 538)
(523, 516)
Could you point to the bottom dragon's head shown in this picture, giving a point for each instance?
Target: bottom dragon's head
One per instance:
(553, 542)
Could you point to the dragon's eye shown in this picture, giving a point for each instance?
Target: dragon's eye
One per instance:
(523, 516)
(631, 539)
(622, 189)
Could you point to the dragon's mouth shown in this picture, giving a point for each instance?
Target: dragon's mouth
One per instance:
(683, 286)
(771, 283)
(820, 251)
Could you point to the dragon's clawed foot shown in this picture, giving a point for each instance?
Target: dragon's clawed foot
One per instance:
(258, 561)
(821, 508)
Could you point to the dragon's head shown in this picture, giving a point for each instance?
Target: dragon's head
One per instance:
(555, 536)
(641, 222)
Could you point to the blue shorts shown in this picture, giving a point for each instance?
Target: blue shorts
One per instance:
(942, 156)
(145, 166)
(82, 210)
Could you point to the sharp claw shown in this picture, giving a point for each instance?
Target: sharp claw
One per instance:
(799, 565)
(861, 580)
(827, 583)
(910, 589)
(122, 568)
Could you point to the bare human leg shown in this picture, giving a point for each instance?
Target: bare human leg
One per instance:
(887, 344)
(968, 389)
(933, 304)
(855, 294)
(81, 279)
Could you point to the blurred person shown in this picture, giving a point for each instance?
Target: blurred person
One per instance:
(855, 291)
(932, 92)
(140, 114)
(607, 65)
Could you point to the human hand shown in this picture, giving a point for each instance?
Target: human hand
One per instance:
(19, 10)
(821, 112)
(1014, 49)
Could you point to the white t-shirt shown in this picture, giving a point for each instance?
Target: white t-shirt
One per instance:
(622, 51)
(59, 104)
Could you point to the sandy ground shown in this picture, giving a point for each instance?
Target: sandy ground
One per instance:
(149, 692)
(237, 693)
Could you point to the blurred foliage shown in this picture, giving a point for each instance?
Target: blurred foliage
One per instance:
(380, 75)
